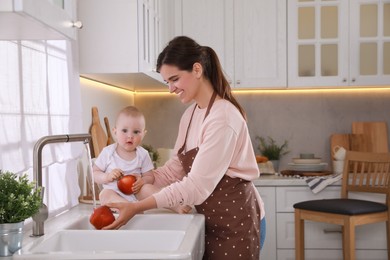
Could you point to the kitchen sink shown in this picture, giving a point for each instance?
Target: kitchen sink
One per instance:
(143, 222)
(146, 236)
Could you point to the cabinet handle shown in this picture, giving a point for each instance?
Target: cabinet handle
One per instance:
(329, 231)
(344, 80)
(238, 82)
(77, 24)
(353, 79)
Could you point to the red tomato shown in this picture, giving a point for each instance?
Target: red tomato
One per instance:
(125, 184)
(101, 217)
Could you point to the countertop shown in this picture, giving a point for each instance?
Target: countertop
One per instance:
(279, 180)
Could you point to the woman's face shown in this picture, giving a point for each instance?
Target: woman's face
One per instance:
(181, 82)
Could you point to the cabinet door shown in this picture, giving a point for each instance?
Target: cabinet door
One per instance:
(318, 43)
(204, 21)
(259, 43)
(108, 42)
(269, 198)
(149, 28)
(37, 19)
(370, 42)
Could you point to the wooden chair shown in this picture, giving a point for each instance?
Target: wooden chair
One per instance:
(363, 172)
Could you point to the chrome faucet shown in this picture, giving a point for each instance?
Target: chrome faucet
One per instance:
(40, 217)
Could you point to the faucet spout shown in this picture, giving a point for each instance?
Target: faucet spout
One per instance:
(40, 217)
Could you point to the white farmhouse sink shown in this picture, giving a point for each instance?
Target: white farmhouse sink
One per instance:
(149, 236)
(143, 222)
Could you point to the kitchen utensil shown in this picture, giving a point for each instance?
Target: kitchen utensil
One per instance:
(375, 133)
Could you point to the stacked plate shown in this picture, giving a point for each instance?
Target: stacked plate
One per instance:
(313, 164)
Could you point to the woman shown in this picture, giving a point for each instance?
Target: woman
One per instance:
(215, 161)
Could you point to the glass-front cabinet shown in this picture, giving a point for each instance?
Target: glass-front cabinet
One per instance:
(338, 43)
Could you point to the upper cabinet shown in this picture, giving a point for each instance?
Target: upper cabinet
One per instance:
(248, 36)
(123, 37)
(38, 19)
(338, 43)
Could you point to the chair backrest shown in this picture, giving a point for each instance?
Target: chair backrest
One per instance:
(366, 172)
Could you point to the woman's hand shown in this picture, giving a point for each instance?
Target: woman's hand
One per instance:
(127, 210)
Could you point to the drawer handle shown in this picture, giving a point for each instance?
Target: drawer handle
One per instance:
(329, 231)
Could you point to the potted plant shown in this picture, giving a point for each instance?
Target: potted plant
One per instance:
(270, 149)
(19, 200)
(154, 155)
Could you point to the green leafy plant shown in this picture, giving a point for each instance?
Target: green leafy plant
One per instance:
(269, 148)
(19, 199)
(154, 155)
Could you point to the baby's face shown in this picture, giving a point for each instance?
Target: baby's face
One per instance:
(129, 131)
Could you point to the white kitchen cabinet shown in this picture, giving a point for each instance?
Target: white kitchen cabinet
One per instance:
(248, 36)
(338, 43)
(122, 38)
(37, 19)
(322, 240)
(268, 194)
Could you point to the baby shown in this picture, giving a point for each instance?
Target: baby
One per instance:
(124, 157)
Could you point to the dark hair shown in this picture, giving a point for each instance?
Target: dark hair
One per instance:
(183, 52)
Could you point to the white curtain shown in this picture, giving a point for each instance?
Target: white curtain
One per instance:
(40, 96)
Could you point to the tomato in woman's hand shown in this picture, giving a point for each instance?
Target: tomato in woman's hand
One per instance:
(101, 217)
(125, 184)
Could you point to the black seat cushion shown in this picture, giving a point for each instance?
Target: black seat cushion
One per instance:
(342, 206)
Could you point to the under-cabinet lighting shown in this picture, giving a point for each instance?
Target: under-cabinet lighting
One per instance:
(288, 91)
(105, 86)
(371, 89)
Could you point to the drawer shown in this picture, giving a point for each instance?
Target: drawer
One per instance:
(333, 254)
(322, 235)
(286, 197)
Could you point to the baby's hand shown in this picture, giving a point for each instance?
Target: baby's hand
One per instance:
(114, 175)
(138, 184)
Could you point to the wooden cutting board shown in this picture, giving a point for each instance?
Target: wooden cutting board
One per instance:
(99, 137)
(375, 134)
(352, 142)
(110, 139)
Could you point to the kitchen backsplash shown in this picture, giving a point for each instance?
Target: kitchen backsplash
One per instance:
(305, 118)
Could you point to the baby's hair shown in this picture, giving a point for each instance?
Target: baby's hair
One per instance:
(130, 111)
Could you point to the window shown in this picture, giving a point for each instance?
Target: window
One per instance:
(40, 96)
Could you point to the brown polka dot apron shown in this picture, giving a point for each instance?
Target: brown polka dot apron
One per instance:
(232, 213)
